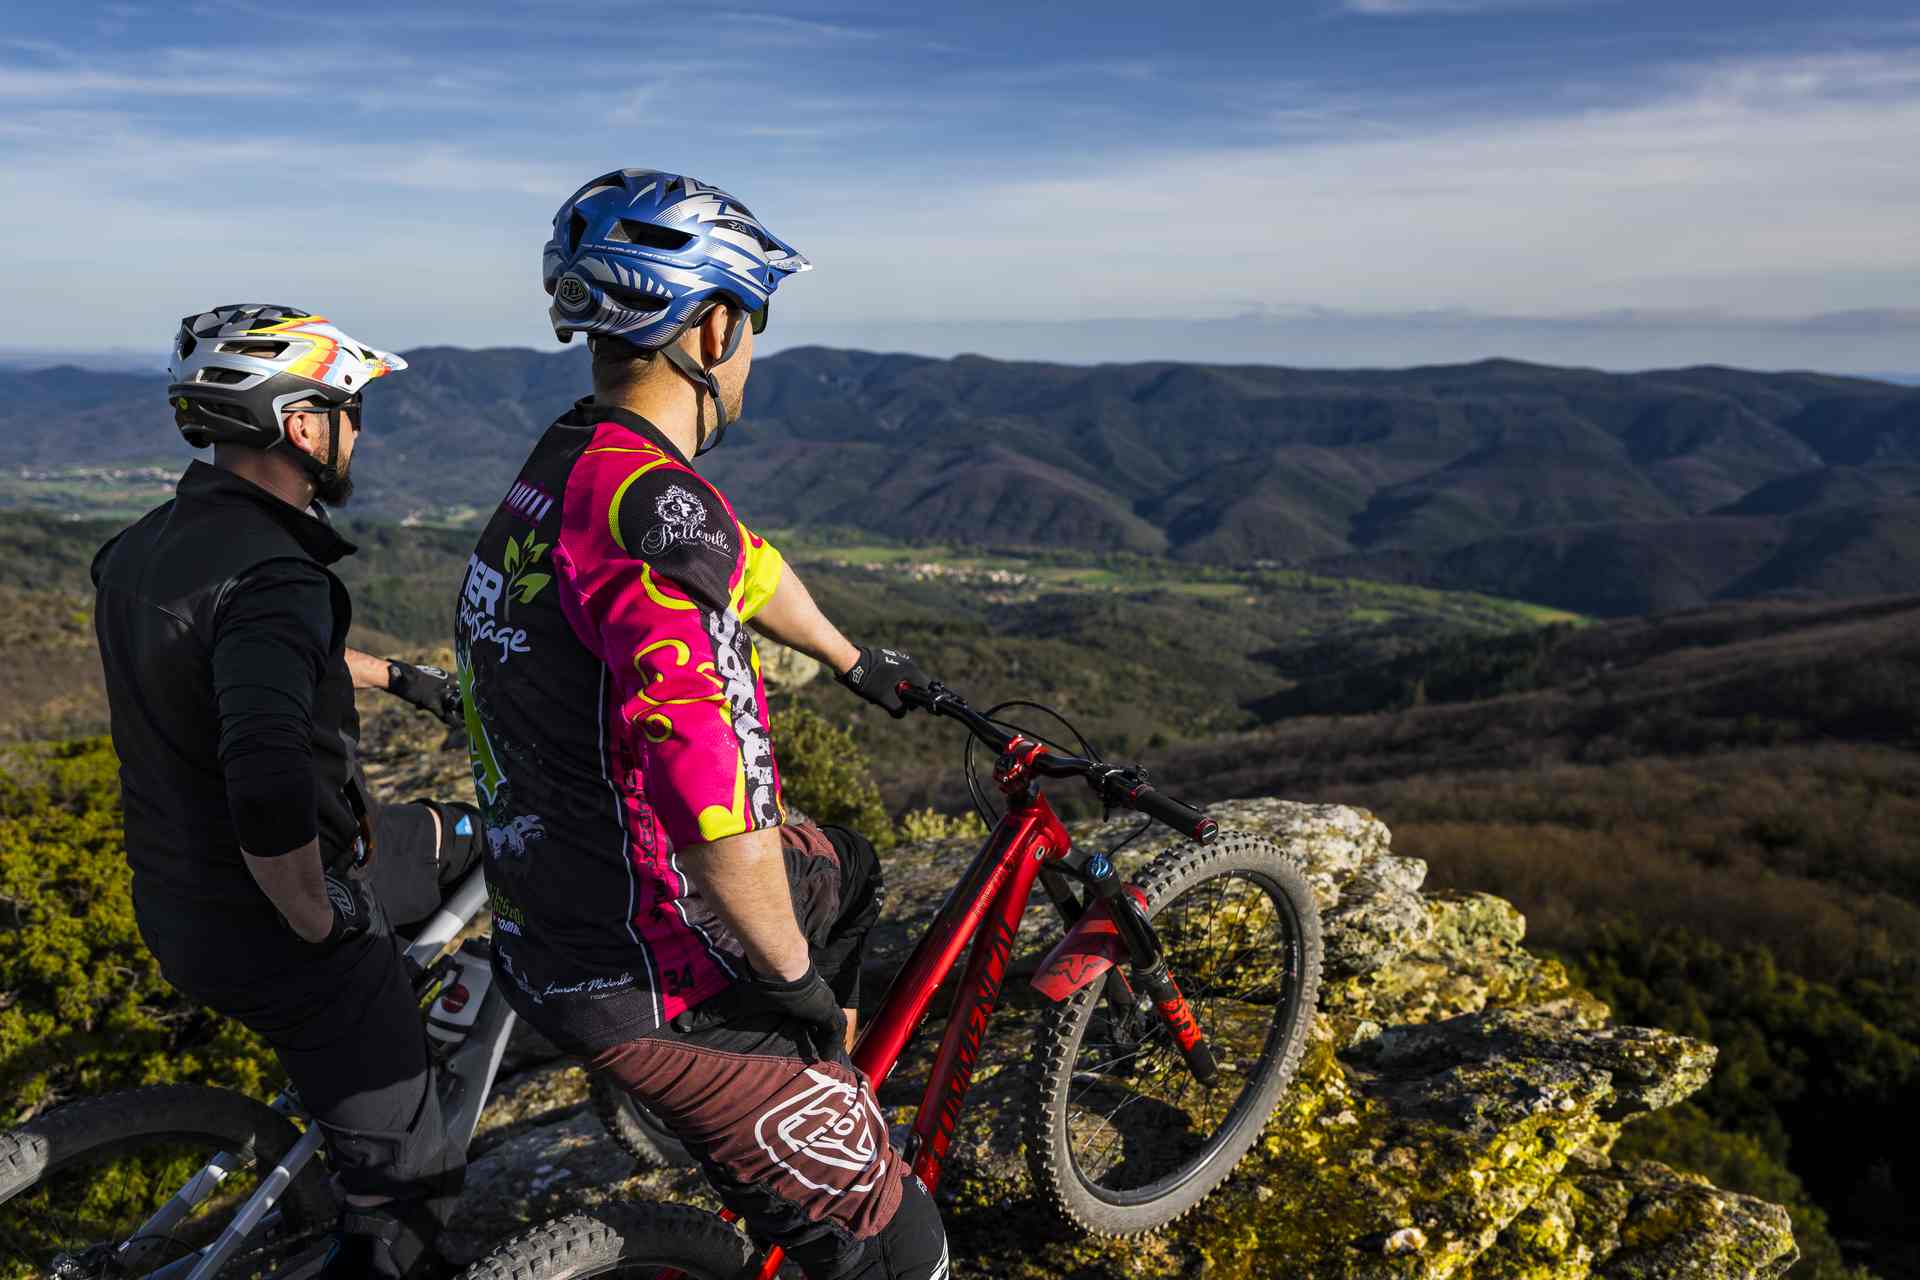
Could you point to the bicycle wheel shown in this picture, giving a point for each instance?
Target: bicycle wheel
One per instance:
(1121, 1137)
(634, 1129)
(76, 1183)
(634, 1240)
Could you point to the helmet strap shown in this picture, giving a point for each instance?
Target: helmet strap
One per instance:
(330, 472)
(323, 473)
(705, 384)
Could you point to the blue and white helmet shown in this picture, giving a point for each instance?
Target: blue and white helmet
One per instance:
(635, 254)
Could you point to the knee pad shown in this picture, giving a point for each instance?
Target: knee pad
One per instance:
(862, 893)
(462, 838)
(391, 1242)
(863, 886)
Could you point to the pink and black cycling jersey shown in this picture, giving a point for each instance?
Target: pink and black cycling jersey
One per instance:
(615, 713)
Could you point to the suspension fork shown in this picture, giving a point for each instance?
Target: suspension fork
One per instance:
(1150, 971)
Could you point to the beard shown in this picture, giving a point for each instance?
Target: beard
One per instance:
(335, 491)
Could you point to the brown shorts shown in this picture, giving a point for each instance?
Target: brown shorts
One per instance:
(798, 1149)
(834, 876)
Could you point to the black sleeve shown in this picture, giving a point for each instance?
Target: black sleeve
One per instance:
(269, 649)
(674, 521)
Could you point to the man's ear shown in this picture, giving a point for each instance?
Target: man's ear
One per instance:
(713, 335)
(304, 429)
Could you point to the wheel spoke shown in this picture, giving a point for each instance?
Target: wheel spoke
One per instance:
(1127, 1135)
(1143, 1099)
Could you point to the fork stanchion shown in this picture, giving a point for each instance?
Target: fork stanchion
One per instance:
(1150, 972)
(1160, 987)
(459, 907)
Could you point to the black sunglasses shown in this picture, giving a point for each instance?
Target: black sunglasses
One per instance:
(351, 410)
(758, 319)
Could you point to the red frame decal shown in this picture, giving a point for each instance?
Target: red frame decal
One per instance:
(1180, 1019)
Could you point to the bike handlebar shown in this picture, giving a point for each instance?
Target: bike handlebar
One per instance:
(1184, 818)
(1118, 785)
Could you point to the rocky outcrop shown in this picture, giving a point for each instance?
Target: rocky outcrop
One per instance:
(1452, 1117)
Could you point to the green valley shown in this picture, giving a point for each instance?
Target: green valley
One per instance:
(1710, 814)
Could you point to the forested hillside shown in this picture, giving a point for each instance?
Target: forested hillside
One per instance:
(1711, 814)
(1603, 493)
(1109, 635)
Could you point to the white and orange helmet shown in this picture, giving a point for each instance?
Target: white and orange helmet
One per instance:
(235, 370)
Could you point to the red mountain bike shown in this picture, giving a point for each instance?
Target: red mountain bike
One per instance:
(1181, 1010)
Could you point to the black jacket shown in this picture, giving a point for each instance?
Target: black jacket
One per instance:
(222, 633)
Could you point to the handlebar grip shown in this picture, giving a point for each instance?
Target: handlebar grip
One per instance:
(1184, 818)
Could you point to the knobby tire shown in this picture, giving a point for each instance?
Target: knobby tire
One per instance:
(633, 1240)
(1295, 947)
(634, 1129)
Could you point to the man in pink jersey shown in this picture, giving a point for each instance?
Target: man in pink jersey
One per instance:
(653, 910)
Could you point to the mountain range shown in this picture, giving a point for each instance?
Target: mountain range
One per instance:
(1608, 493)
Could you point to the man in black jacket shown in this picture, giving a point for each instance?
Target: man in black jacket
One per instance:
(223, 636)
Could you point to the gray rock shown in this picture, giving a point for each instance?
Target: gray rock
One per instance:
(1645, 1069)
(1375, 922)
(1452, 1115)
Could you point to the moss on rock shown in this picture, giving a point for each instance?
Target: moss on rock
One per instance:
(1450, 1119)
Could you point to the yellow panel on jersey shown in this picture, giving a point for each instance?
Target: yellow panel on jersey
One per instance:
(762, 576)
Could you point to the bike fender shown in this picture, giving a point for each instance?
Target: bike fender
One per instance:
(1090, 948)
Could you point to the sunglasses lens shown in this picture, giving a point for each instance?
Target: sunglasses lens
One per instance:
(351, 411)
(759, 318)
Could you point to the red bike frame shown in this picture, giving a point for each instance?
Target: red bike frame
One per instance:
(985, 907)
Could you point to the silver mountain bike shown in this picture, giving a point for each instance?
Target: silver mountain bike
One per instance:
(188, 1182)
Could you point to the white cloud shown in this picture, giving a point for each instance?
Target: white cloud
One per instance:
(61, 84)
(1792, 169)
(1743, 195)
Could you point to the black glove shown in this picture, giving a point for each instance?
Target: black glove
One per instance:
(877, 676)
(807, 1000)
(428, 688)
(352, 909)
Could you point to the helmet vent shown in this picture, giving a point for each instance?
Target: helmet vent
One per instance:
(634, 299)
(223, 377)
(266, 350)
(647, 235)
(576, 228)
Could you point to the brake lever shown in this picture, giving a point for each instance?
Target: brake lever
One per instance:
(927, 699)
(1114, 781)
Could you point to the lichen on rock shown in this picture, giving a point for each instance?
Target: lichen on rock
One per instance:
(1451, 1118)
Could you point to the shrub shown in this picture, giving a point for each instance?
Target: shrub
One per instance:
(83, 1007)
(1813, 1078)
(825, 774)
(931, 824)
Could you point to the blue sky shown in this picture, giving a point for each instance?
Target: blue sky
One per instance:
(1602, 182)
